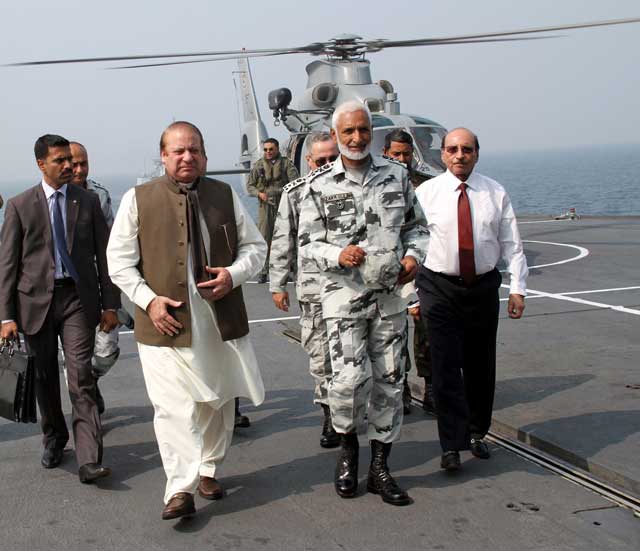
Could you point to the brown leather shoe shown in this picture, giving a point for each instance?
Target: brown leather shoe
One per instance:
(210, 488)
(180, 505)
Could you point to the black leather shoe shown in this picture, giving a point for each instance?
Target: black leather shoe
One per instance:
(450, 461)
(51, 457)
(346, 475)
(380, 481)
(406, 398)
(90, 472)
(241, 421)
(180, 505)
(99, 400)
(479, 448)
(329, 437)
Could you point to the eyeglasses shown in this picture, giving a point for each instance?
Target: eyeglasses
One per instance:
(453, 149)
(267, 149)
(321, 161)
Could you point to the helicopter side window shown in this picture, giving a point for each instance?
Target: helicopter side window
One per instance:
(428, 140)
(377, 141)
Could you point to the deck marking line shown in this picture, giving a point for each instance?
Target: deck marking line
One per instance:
(600, 290)
(275, 319)
(582, 252)
(564, 293)
(585, 302)
(250, 321)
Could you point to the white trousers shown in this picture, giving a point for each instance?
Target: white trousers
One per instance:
(193, 437)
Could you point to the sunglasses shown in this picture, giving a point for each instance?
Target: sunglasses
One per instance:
(452, 149)
(267, 149)
(321, 161)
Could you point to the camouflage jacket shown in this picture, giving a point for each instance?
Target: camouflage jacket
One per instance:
(284, 258)
(105, 200)
(382, 216)
(270, 178)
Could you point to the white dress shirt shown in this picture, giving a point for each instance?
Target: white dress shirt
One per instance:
(495, 229)
(49, 194)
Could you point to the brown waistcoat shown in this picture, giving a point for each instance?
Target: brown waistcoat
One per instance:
(164, 248)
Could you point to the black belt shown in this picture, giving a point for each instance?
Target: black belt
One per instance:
(457, 280)
(63, 282)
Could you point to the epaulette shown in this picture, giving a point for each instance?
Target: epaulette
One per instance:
(318, 171)
(294, 184)
(98, 186)
(394, 161)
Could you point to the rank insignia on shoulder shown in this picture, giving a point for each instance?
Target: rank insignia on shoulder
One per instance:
(394, 161)
(294, 184)
(320, 170)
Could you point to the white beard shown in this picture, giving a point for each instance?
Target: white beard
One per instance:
(344, 150)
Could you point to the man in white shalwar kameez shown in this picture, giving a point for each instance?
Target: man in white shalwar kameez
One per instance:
(190, 320)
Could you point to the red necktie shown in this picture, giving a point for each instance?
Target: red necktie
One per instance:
(465, 237)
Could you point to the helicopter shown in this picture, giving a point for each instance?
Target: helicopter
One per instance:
(341, 73)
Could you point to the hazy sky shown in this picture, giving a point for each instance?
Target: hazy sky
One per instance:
(577, 90)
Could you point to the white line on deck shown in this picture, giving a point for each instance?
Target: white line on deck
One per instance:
(250, 321)
(565, 293)
(585, 302)
(582, 252)
(275, 319)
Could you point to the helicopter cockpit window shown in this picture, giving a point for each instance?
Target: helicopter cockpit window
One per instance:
(377, 141)
(428, 140)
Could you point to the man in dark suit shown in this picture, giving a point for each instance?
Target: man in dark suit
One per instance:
(54, 283)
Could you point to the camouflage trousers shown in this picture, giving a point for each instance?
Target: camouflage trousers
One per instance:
(314, 340)
(374, 387)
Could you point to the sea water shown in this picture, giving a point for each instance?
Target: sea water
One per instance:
(598, 180)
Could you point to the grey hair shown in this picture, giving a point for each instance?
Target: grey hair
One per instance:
(318, 137)
(351, 106)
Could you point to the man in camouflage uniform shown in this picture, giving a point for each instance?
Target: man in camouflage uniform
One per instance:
(398, 145)
(266, 180)
(284, 261)
(362, 225)
(106, 350)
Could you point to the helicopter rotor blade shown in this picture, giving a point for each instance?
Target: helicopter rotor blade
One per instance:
(223, 58)
(444, 40)
(482, 41)
(206, 60)
(343, 47)
(233, 53)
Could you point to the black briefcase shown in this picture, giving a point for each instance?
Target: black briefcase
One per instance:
(17, 384)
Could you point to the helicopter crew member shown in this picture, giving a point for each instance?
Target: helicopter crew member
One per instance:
(106, 350)
(472, 225)
(266, 180)
(398, 145)
(191, 321)
(285, 260)
(362, 225)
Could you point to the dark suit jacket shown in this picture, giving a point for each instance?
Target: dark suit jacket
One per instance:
(27, 262)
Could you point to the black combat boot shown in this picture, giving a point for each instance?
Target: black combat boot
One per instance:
(380, 481)
(329, 438)
(346, 478)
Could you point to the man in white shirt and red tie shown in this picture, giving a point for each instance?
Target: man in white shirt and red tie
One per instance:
(472, 226)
